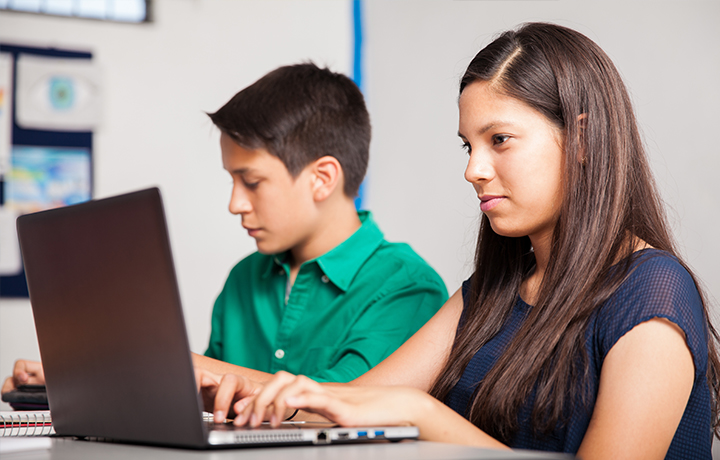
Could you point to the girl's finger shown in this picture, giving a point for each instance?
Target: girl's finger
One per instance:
(300, 385)
(255, 412)
(323, 404)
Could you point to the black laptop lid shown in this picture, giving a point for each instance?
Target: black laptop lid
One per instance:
(109, 322)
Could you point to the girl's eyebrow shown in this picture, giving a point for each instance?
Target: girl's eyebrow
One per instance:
(488, 127)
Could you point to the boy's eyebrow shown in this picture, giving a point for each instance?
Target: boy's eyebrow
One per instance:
(241, 170)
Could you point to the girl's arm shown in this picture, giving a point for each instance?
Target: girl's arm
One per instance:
(350, 405)
(645, 384)
(417, 363)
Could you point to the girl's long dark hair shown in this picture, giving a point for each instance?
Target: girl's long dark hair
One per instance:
(609, 198)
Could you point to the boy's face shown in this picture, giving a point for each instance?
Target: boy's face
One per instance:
(276, 209)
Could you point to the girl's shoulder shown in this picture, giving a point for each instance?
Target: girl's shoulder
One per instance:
(660, 269)
(655, 277)
(657, 286)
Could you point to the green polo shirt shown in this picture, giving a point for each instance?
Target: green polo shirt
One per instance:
(347, 310)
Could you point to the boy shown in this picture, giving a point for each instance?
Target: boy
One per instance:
(325, 295)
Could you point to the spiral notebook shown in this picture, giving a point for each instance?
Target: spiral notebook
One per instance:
(25, 423)
(112, 335)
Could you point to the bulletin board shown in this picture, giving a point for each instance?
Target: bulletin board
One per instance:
(49, 107)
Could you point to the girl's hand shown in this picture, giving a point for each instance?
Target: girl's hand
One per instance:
(351, 405)
(343, 404)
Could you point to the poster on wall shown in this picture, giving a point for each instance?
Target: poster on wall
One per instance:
(57, 94)
(53, 106)
(42, 178)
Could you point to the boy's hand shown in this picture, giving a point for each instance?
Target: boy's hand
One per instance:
(24, 373)
(225, 395)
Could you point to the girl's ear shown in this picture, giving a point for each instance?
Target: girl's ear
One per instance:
(582, 124)
(327, 174)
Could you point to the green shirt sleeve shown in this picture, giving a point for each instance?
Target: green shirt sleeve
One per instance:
(389, 320)
(215, 348)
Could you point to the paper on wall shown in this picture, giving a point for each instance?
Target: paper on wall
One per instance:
(57, 94)
(6, 94)
(10, 260)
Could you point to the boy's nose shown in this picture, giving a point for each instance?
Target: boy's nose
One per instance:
(239, 204)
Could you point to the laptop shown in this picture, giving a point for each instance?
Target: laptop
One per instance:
(112, 335)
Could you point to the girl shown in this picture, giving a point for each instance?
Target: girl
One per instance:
(580, 330)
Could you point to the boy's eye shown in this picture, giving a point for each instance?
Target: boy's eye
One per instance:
(251, 185)
(498, 139)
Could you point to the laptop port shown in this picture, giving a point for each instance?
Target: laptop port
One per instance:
(322, 437)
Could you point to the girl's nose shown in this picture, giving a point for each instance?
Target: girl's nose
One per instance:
(478, 168)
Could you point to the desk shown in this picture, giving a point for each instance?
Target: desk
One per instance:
(70, 449)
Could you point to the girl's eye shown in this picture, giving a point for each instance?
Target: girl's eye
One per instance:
(466, 147)
(498, 139)
(250, 185)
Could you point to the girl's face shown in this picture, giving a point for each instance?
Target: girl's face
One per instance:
(515, 162)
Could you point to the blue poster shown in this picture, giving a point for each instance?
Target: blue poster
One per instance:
(47, 177)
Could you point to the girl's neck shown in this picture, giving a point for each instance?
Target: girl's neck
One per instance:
(530, 288)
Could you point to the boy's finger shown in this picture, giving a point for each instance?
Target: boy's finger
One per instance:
(224, 396)
(19, 373)
(26, 371)
(205, 378)
(8, 385)
(207, 383)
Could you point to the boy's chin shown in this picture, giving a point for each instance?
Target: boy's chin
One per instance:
(269, 249)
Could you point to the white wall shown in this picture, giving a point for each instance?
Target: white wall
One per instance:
(667, 51)
(159, 79)
(417, 51)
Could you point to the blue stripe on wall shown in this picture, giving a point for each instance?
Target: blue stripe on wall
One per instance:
(358, 69)
(358, 42)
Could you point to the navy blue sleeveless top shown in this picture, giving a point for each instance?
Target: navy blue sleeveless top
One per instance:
(658, 287)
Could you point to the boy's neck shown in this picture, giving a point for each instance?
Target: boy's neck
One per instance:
(336, 222)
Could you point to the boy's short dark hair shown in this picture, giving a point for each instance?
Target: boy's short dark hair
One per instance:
(300, 113)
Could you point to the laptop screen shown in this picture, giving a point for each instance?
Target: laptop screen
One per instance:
(109, 322)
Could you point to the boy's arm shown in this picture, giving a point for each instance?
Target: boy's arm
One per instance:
(220, 367)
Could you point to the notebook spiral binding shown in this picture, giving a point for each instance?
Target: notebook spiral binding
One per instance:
(25, 423)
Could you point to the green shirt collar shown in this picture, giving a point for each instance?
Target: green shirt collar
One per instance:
(342, 263)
